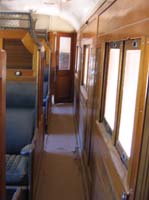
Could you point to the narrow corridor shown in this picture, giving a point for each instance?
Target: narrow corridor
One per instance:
(60, 177)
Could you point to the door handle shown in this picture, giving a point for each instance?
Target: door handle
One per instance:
(125, 196)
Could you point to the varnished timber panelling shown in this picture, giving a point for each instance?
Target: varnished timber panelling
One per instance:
(11, 34)
(82, 122)
(90, 29)
(2, 122)
(62, 89)
(117, 20)
(76, 100)
(114, 170)
(1, 43)
(28, 43)
(39, 133)
(28, 48)
(18, 57)
(122, 14)
(26, 75)
(52, 40)
(85, 94)
(142, 189)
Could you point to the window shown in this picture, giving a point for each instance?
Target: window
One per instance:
(129, 99)
(85, 65)
(77, 63)
(120, 93)
(64, 53)
(111, 87)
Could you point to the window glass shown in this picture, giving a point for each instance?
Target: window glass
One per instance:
(85, 65)
(129, 99)
(77, 59)
(64, 53)
(111, 87)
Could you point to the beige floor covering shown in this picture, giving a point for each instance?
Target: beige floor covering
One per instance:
(60, 177)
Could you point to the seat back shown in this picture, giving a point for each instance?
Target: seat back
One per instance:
(20, 115)
(46, 74)
(20, 94)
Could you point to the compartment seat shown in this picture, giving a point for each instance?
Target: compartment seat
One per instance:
(20, 126)
(46, 94)
(16, 170)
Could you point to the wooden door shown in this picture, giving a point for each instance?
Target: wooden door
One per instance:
(2, 123)
(65, 67)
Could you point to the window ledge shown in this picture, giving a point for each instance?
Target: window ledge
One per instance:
(120, 168)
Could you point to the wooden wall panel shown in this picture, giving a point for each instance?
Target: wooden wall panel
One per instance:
(122, 14)
(28, 42)
(62, 90)
(1, 43)
(18, 56)
(90, 29)
(26, 75)
(2, 122)
(39, 132)
(52, 40)
(117, 20)
(142, 189)
(11, 34)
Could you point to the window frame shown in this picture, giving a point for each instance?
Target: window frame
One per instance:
(128, 46)
(59, 45)
(83, 68)
(124, 46)
(78, 59)
(108, 46)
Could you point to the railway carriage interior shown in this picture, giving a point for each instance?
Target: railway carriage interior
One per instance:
(74, 104)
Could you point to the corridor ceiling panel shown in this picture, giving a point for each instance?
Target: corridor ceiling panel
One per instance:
(74, 11)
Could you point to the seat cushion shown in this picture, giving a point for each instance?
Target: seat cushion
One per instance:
(46, 74)
(16, 170)
(20, 94)
(17, 193)
(45, 89)
(20, 125)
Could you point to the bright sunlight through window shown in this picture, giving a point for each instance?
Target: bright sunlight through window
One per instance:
(129, 99)
(64, 54)
(111, 90)
(86, 65)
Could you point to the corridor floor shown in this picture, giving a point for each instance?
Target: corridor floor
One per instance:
(60, 177)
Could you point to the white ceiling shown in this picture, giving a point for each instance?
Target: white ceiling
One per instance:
(74, 11)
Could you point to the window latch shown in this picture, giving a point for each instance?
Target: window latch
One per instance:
(125, 196)
(123, 157)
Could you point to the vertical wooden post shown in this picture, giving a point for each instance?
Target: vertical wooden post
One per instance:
(2, 122)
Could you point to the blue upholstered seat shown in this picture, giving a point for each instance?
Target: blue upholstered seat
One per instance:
(46, 74)
(16, 167)
(20, 94)
(20, 124)
(16, 194)
(46, 94)
(45, 89)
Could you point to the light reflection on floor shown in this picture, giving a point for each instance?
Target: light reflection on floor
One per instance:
(61, 170)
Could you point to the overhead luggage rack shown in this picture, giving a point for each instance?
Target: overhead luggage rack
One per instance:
(42, 34)
(16, 20)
